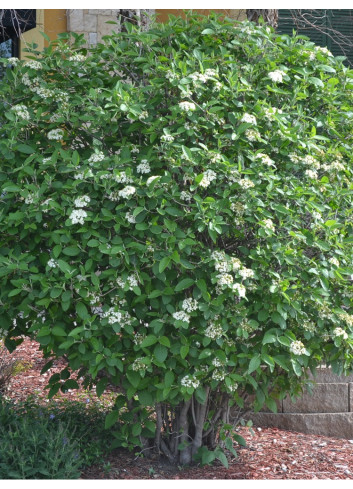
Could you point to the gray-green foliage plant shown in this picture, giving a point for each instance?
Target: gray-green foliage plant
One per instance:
(34, 446)
(176, 220)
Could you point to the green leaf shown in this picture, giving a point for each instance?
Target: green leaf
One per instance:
(160, 352)
(169, 379)
(148, 341)
(184, 284)
(111, 419)
(58, 331)
(71, 251)
(239, 439)
(134, 378)
(163, 340)
(101, 385)
(278, 319)
(223, 459)
(164, 263)
(269, 338)
(81, 310)
(255, 363)
(145, 398)
(24, 148)
(184, 350)
(207, 32)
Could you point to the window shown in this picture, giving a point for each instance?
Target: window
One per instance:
(327, 28)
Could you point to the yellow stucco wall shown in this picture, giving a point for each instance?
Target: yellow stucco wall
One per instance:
(54, 22)
(33, 35)
(50, 21)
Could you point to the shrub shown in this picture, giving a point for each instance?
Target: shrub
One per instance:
(176, 219)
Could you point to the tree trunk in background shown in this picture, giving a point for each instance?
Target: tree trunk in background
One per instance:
(270, 16)
(135, 16)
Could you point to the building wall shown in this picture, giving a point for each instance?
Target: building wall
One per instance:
(93, 23)
(50, 21)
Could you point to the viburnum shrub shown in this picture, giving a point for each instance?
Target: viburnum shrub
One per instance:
(176, 220)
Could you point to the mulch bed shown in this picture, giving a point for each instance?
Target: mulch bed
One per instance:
(270, 453)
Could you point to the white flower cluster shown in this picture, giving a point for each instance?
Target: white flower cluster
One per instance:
(138, 338)
(143, 167)
(186, 196)
(203, 77)
(181, 316)
(240, 289)
(122, 177)
(35, 65)
(334, 166)
(187, 106)
(138, 365)
(21, 111)
(323, 50)
(52, 263)
(218, 375)
(143, 115)
(252, 134)
(246, 273)
(294, 158)
(167, 138)
(82, 201)
(309, 326)
(311, 174)
(30, 198)
(13, 61)
(113, 316)
(222, 266)
(190, 305)
(268, 223)
(347, 318)
(334, 261)
(250, 119)
(127, 192)
(208, 177)
(214, 331)
(217, 363)
(277, 75)
(232, 388)
(190, 381)
(152, 179)
(130, 218)
(225, 279)
(131, 281)
(340, 332)
(310, 161)
(78, 216)
(265, 159)
(297, 348)
(171, 75)
(96, 157)
(270, 113)
(317, 216)
(77, 58)
(235, 262)
(246, 183)
(55, 134)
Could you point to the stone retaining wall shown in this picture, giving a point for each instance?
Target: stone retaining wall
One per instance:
(328, 411)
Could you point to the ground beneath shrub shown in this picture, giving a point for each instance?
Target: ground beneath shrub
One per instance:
(270, 453)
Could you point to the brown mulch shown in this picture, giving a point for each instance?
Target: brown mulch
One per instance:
(270, 453)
